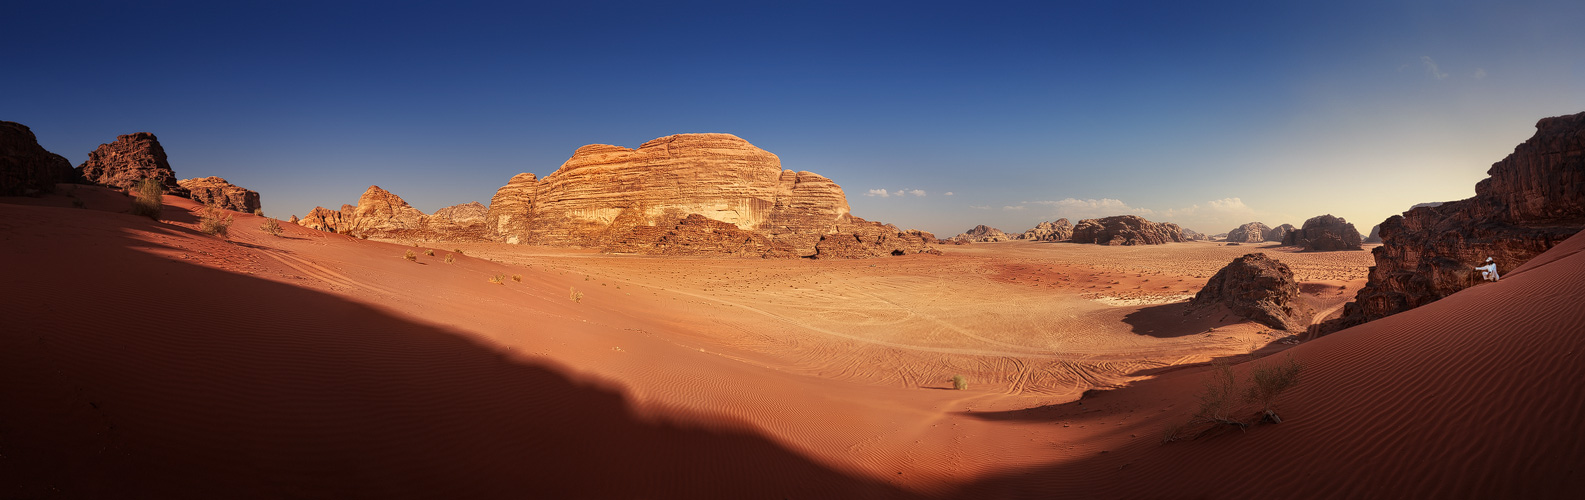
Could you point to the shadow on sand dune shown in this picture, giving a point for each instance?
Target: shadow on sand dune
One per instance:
(131, 375)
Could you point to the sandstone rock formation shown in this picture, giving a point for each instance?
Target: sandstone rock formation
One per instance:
(1253, 232)
(25, 166)
(216, 191)
(614, 197)
(1192, 235)
(1126, 230)
(1532, 200)
(1257, 287)
(131, 158)
(1058, 230)
(383, 215)
(1375, 234)
(1279, 233)
(1219, 237)
(1325, 233)
(982, 234)
(857, 238)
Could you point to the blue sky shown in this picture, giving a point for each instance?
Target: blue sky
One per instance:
(1208, 115)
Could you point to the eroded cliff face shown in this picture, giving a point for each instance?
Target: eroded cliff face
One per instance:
(1533, 200)
(644, 200)
(131, 158)
(216, 191)
(1058, 230)
(25, 166)
(383, 215)
(1126, 230)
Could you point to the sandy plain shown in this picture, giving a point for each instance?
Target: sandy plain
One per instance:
(143, 358)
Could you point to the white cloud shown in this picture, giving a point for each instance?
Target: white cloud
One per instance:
(1012, 207)
(917, 192)
(1430, 67)
(948, 193)
(1480, 73)
(980, 207)
(878, 192)
(1093, 208)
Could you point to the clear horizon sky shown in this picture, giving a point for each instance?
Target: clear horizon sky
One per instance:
(937, 116)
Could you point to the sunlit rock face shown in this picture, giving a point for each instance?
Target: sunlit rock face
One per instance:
(131, 158)
(383, 215)
(216, 191)
(1126, 230)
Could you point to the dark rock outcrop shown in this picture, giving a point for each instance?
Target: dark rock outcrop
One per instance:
(216, 191)
(1253, 232)
(25, 166)
(858, 239)
(1259, 288)
(131, 158)
(1058, 230)
(1126, 230)
(982, 234)
(1375, 234)
(1532, 200)
(1279, 233)
(1325, 233)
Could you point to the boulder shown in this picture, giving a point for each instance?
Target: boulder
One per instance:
(1059, 230)
(1325, 233)
(216, 191)
(1253, 232)
(1279, 233)
(1531, 200)
(1126, 230)
(131, 158)
(25, 166)
(1259, 288)
(982, 234)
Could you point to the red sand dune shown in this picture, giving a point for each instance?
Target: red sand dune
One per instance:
(142, 359)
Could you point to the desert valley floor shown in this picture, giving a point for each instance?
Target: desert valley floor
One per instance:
(145, 359)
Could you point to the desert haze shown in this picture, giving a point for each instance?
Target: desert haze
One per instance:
(634, 348)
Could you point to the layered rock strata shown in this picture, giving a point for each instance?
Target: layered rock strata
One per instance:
(131, 158)
(1531, 200)
(982, 234)
(1259, 288)
(1253, 232)
(1058, 230)
(216, 191)
(1325, 233)
(1126, 230)
(25, 166)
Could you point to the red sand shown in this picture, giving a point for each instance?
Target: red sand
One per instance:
(143, 359)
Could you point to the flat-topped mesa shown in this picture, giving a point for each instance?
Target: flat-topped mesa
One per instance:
(641, 200)
(131, 158)
(982, 234)
(25, 166)
(383, 215)
(1532, 200)
(218, 192)
(1126, 230)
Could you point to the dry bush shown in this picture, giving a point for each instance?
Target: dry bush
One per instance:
(498, 279)
(271, 226)
(1220, 398)
(258, 211)
(960, 383)
(574, 294)
(213, 220)
(450, 258)
(147, 198)
(458, 250)
(410, 256)
(78, 203)
(430, 252)
(1271, 381)
(518, 278)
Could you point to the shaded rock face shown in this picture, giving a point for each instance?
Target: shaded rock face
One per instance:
(25, 166)
(1192, 235)
(1126, 230)
(216, 191)
(131, 158)
(982, 234)
(613, 197)
(1253, 232)
(1279, 233)
(1325, 233)
(1375, 234)
(1532, 200)
(1259, 288)
(1058, 230)
(383, 215)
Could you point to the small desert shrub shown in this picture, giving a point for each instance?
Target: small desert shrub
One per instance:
(498, 279)
(410, 256)
(574, 294)
(213, 220)
(458, 250)
(258, 211)
(450, 258)
(430, 252)
(271, 226)
(1220, 398)
(518, 278)
(147, 198)
(78, 203)
(960, 383)
(1271, 381)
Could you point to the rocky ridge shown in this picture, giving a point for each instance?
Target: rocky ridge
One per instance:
(131, 158)
(383, 215)
(1126, 230)
(1058, 230)
(25, 166)
(982, 234)
(1531, 200)
(216, 191)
